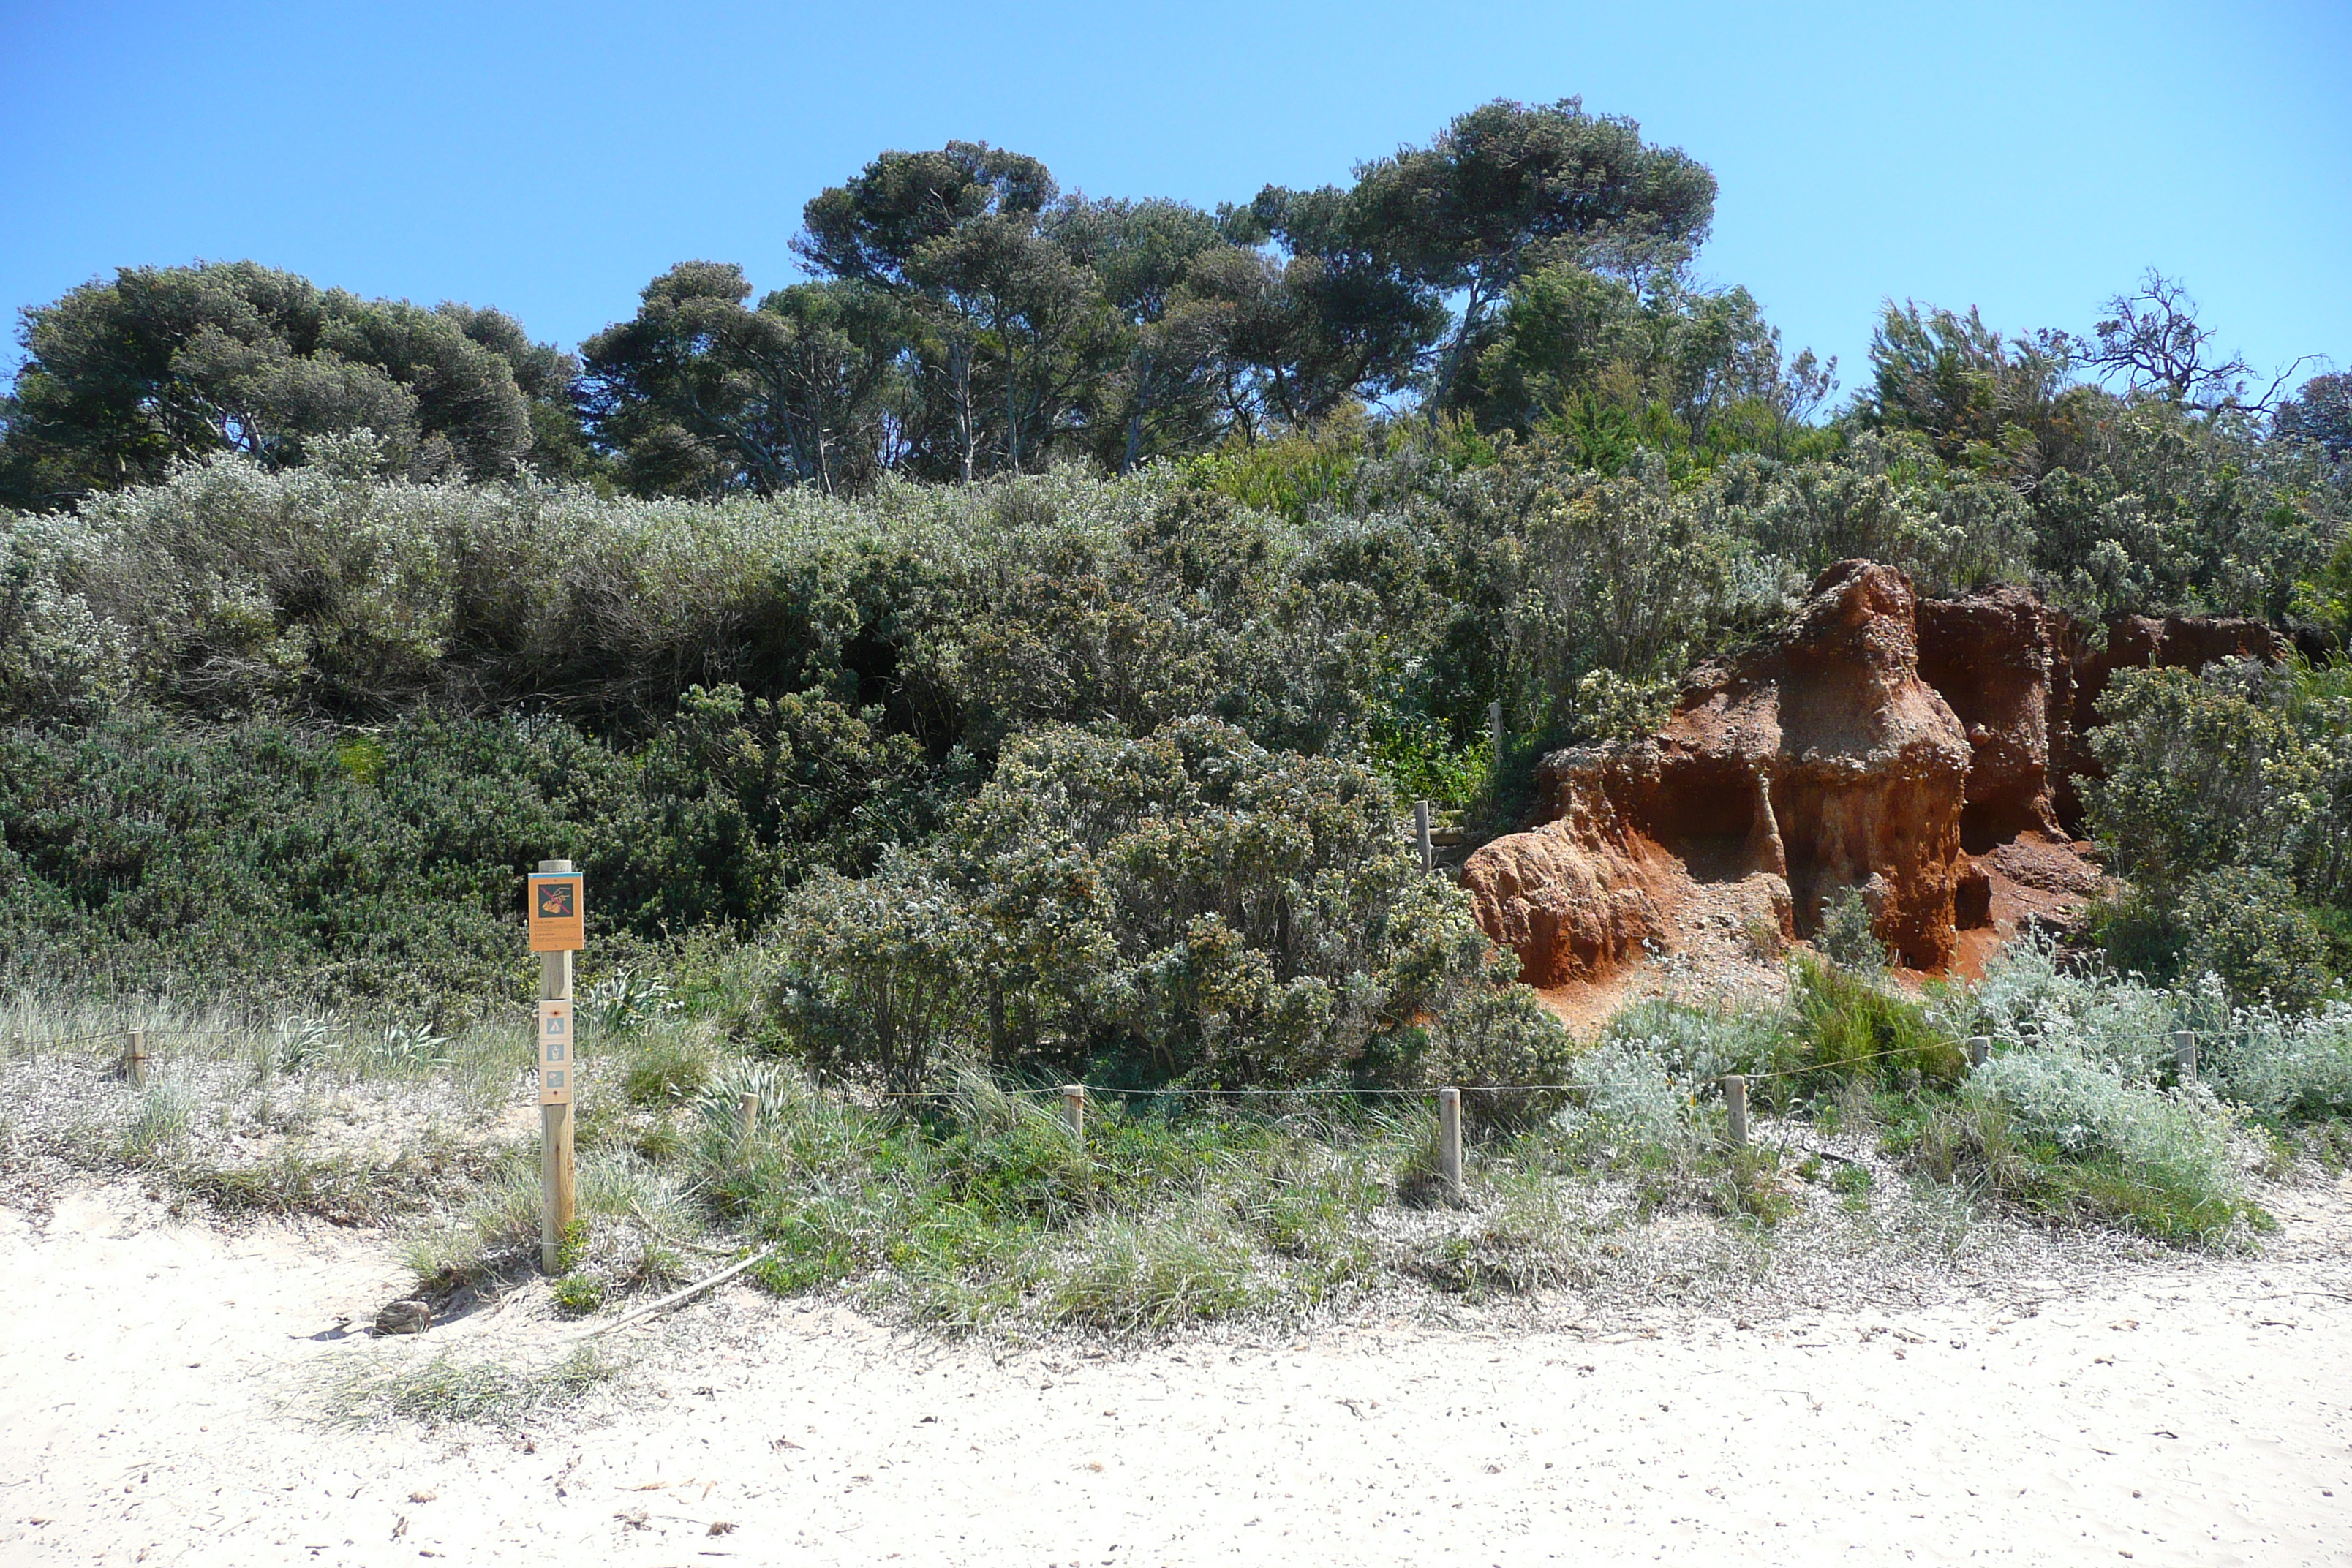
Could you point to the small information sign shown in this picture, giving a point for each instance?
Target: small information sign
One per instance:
(558, 912)
(556, 1059)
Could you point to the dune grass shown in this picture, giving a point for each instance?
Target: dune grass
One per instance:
(443, 1388)
(974, 1205)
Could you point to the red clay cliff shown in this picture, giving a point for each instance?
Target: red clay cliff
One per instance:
(1916, 750)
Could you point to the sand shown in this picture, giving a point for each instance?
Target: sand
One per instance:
(158, 1388)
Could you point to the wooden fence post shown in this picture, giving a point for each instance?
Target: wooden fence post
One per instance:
(747, 1114)
(1074, 1111)
(1449, 1142)
(1735, 1101)
(1421, 835)
(1979, 1050)
(558, 1177)
(134, 1056)
(2184, 1055)
(1495, 734)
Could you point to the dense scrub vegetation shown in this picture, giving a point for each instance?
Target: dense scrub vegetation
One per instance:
(327, 716)
(1010, 651)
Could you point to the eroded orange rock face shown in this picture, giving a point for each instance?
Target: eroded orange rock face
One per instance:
(1916, 750)
(1994, 657)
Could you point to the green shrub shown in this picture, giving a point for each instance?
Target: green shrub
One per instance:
(1845, 1028)
(875, 984)
(1508, 1053)
(257, 860)
(1185, 908)
(579, 1294)
(1846, 937)
(2241, 762)
(2244, 925)
(1416, 752)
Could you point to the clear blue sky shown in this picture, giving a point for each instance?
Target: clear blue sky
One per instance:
(551, 158)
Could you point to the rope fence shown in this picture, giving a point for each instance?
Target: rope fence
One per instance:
(133, 1057)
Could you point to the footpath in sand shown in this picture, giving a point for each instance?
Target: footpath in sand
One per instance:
(158, 1389)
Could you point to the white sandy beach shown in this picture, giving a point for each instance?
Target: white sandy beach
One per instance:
(155, 1380)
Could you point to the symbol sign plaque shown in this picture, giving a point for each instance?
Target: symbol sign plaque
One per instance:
(558, 911)
(557, 1061)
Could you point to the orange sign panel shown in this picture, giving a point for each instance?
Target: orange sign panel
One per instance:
(558, 912)
(559, 1060)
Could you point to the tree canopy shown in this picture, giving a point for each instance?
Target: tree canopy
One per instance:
(1529, 274)
(123, 378)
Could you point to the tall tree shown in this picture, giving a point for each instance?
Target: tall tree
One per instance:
(546, 375)
(1339, 318)
(1159, 397)
(871, 226)
(1014, 318)
(1509, 187)
(698, 393)
(1006, 316)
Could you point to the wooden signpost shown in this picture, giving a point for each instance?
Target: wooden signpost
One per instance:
(557, 921)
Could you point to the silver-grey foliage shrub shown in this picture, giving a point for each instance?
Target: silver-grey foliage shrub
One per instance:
(2281, 1064)
(2170, 1142)
(1696, 1044)
(2029, 997)
(2266, 1059)
(1634, 1101)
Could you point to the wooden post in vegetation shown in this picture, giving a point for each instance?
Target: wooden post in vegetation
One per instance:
(1074, 1111)
(556, 926)
(1449, 1142)
(1979, 1050)
(2184, 1055)
(747, 1114)
(134, 1056)
(1735, 1101)
(1495, 734)
(1421, 835)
